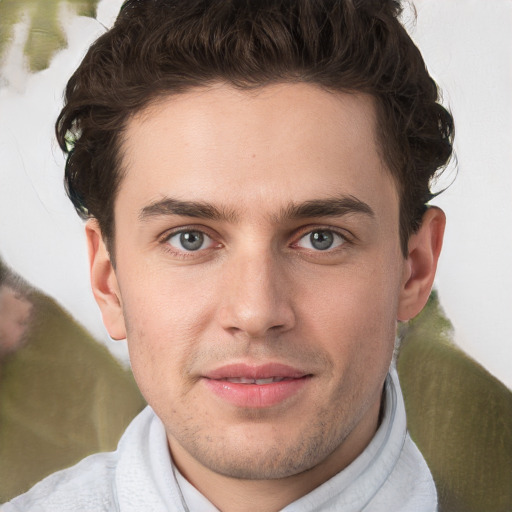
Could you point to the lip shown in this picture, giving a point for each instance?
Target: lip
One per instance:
(251, 395)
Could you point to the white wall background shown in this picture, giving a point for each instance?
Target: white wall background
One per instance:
(467, 45)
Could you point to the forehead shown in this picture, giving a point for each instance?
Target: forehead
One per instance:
(276, 144)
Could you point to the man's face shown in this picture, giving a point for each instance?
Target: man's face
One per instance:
(258, 268)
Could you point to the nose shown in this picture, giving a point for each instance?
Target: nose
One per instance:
(257, 296)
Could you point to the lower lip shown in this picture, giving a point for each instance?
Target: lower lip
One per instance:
(256, 396)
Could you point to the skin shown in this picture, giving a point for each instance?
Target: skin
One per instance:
(258, 290)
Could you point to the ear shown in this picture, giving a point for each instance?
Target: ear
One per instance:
(104, 282)
(421, 264)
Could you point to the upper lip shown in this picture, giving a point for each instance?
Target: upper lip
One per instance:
(249, 371)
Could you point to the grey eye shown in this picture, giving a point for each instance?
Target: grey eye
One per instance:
(321, 240)
(189, 240)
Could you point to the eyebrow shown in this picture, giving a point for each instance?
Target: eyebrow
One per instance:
(334, 207)
(198, 209)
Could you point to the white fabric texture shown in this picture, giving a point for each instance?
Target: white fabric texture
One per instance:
(390, 475)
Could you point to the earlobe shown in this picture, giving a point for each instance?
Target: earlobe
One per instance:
(421, 264)
(104, 282)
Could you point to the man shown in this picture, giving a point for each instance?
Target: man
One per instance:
(255, 175)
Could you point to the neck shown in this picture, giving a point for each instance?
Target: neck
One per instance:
(230, 494)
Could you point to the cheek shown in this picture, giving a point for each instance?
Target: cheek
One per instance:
(165, 317)
(354, 312)
(164, 302)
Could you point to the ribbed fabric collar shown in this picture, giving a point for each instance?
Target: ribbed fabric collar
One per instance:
(146, 478)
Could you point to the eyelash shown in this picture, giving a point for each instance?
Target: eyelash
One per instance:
(308, 231)
(184, 254)
(346, 237)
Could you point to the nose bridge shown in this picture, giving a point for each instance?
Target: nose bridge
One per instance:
(257, 299)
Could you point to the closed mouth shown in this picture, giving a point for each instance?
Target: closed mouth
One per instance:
(259, 382)
(256, 386)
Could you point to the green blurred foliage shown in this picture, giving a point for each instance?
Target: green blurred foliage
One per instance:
(458, 414)
(46, 36)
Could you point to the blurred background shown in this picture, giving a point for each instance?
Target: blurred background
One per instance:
(467, 47)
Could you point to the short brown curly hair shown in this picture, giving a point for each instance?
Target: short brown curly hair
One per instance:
(163, 47)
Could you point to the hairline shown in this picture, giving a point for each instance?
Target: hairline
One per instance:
(154, 99)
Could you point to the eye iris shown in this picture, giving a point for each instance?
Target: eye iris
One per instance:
(321, 240)
(191, 240)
